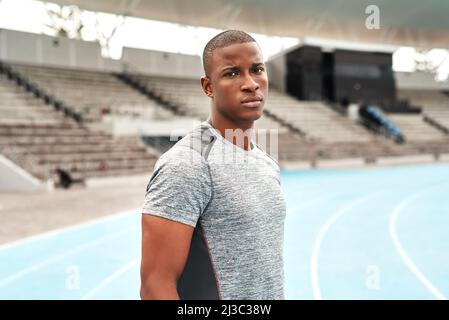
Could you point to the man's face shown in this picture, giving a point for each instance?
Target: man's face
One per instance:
(237, 82)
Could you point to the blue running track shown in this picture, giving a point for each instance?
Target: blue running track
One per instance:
(380, 233)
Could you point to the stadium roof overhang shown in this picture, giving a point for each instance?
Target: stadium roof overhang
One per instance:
(402, 22)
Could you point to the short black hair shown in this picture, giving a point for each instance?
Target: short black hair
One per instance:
(221, 40)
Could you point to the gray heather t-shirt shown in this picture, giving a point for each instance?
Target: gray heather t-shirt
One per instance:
(233, 199)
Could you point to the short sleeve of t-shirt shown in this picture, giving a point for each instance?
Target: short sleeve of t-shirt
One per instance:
(180, 186)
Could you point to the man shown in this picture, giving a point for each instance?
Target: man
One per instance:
(214, 213)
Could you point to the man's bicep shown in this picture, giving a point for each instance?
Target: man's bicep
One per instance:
(165, 247)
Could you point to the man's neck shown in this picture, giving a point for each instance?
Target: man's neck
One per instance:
(222, 124)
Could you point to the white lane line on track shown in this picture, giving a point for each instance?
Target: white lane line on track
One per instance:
(109, 279)
(402, 253)
(69, 228)
(322, 233)
(19, 274)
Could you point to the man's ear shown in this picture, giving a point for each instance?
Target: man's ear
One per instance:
(207, 86)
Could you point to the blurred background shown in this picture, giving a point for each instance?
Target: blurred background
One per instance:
(93, 92)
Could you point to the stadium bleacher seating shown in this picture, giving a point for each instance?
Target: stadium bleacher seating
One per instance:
(435, 104)
(92, 93)
(42, 140)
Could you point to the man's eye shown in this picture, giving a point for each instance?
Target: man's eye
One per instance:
(231, 74)
(259, 69)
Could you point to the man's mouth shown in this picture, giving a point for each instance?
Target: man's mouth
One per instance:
(252, 102)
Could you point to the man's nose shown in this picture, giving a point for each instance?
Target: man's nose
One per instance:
(249, 84)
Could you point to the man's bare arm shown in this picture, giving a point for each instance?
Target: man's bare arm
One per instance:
(165, 248)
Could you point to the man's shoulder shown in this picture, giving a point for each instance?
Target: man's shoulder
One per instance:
(195, 145)
(271, 158)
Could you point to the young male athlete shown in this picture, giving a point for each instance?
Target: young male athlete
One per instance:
(213, 216)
